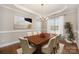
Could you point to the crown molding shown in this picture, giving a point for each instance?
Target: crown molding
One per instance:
(59, 11)
(26, 9)
(22, 12)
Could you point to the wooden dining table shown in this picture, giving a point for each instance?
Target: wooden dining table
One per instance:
(39, 40)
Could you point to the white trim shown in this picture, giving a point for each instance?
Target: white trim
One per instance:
(20, 7)
(58, 11)
(62, 13)
(26, 9)
(22, 12)
(14, 31)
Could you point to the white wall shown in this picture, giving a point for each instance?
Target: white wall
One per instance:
(78, 27)
(6, 23)
(7, 32)
(6, 19)
(71, 17)
(36, 24)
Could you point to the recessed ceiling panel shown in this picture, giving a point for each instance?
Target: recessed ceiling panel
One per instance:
(44, 9)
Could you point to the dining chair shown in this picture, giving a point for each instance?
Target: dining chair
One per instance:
(26, 48)
(56, 44)
(19, 50)
(48, 48)
(39, 32)
(29, 34)
(34, 33)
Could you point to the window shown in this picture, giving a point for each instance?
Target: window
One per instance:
(56, 25)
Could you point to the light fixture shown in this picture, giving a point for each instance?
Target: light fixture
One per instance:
(42, 8)
(42, 17)
(42, 4)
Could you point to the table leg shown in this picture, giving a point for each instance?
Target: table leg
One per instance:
(38, 50)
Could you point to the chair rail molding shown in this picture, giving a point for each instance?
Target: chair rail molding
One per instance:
(11, 31)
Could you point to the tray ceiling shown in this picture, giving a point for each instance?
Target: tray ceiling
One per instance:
(42, 10)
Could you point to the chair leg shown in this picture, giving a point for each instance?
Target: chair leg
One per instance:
(54, 50)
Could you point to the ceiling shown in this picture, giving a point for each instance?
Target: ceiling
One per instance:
(42, 10)
(46, 9)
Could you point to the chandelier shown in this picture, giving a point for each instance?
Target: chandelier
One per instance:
(43, 18)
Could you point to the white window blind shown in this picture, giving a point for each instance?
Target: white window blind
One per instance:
(56, 25)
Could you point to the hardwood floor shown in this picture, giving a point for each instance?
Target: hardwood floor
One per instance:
(10, 49)
(68, 48)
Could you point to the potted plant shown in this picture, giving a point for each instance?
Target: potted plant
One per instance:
(69, 32)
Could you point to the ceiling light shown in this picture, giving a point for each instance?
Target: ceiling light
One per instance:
(42, 4)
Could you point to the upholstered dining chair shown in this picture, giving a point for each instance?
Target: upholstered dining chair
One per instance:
(48, 48)
(29, 34)
(25, 47)
(56, 44)
(39, 32)
(34, 33)
(19, 51)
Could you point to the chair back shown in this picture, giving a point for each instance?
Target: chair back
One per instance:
(34, 33)
(56, 42)
(51, 41)
(29, 33)
(39, 32)
(24, 44)
(57, 38)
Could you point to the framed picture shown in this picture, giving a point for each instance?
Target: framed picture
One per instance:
(22, 22)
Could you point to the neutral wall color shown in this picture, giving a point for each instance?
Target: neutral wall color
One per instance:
(71, 16)
(6, 25)
(7, 17)
(78, 27)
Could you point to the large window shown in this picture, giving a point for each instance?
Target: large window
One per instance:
(56, 25)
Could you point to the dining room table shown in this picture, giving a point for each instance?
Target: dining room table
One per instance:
(39, 40)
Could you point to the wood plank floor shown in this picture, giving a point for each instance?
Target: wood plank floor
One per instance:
(68, 48)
